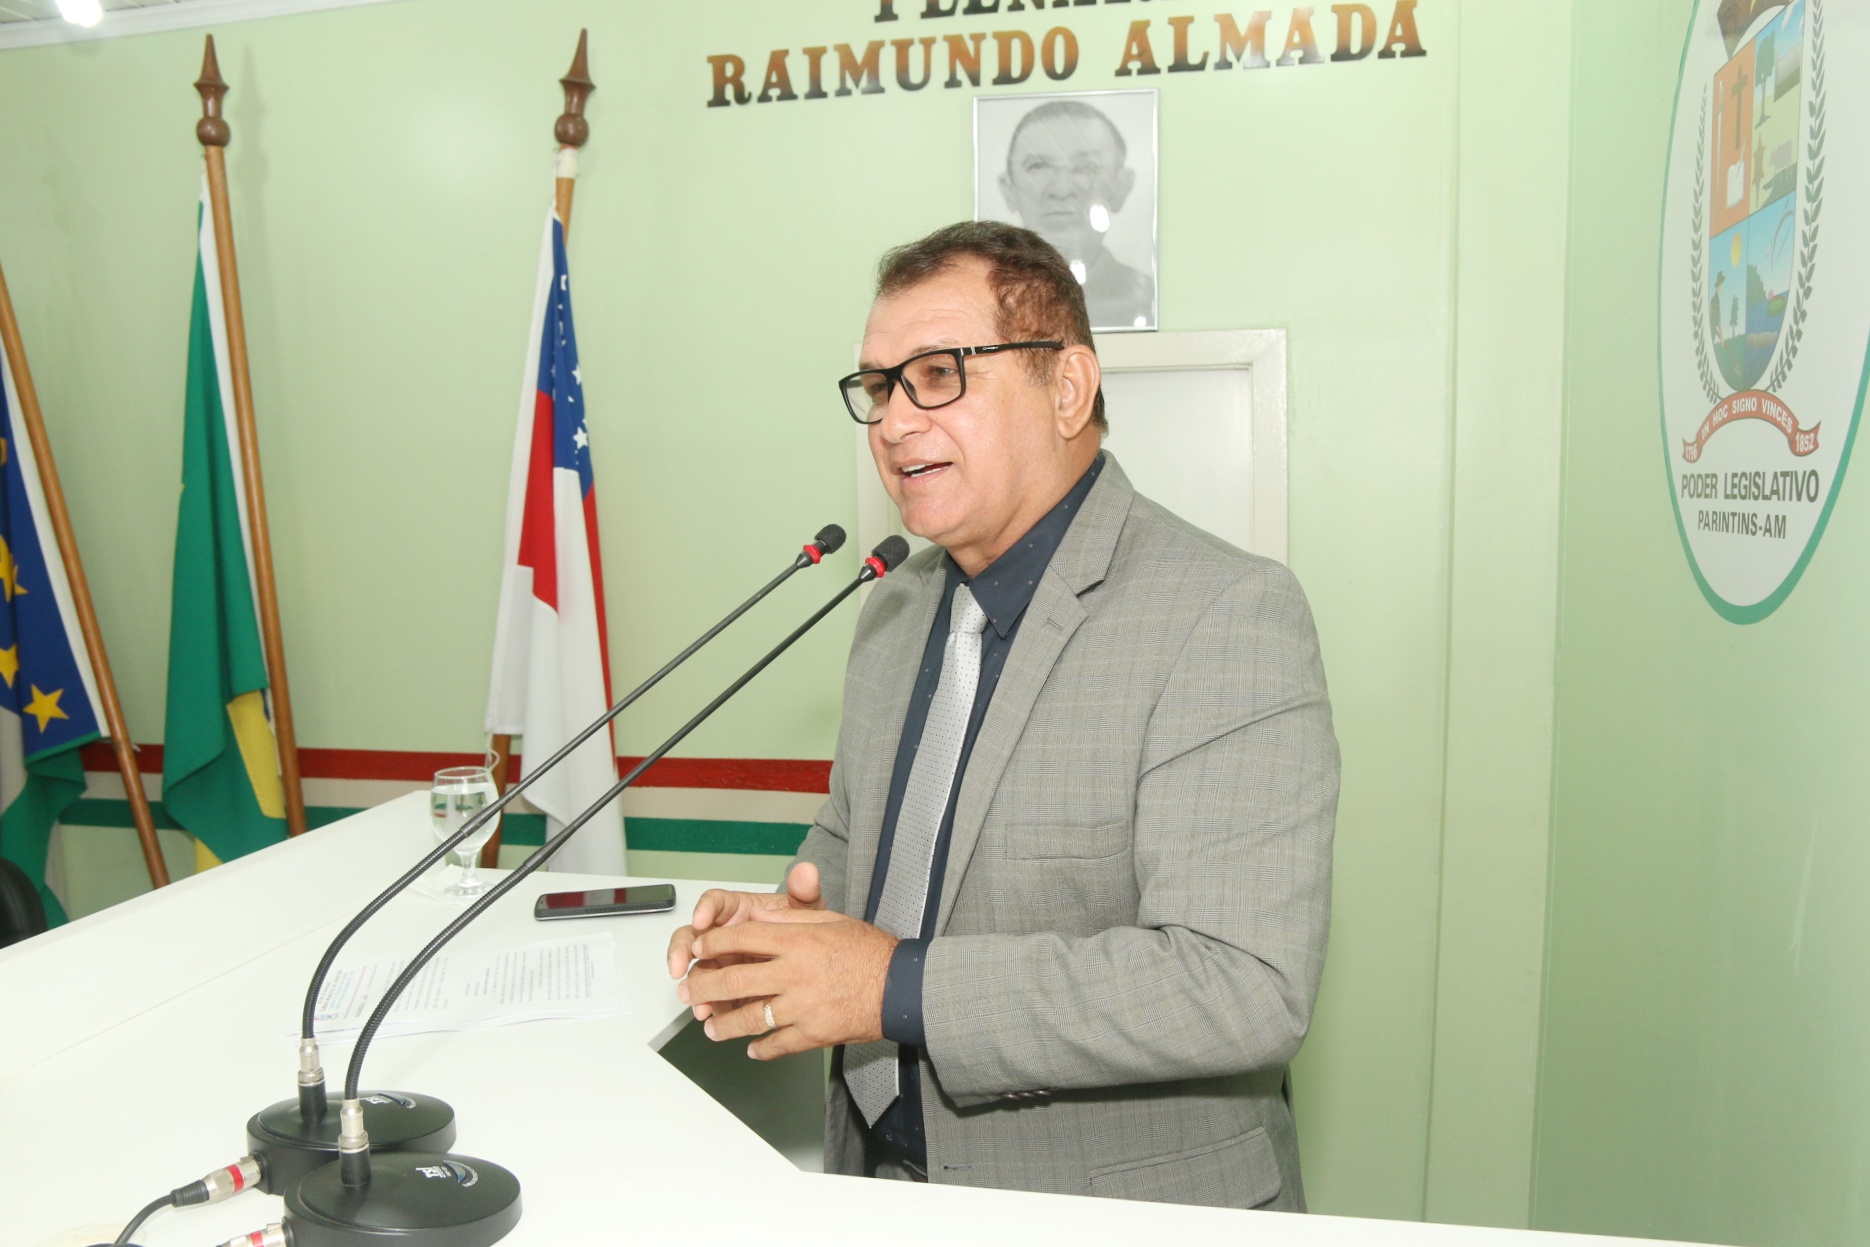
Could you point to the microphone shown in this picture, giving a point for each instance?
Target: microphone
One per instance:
(433, 1199)
(294, 1137)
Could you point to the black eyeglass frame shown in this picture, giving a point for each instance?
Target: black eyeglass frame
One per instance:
(894, 377)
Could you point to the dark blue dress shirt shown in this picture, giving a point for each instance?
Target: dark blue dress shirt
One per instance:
(1003, 590)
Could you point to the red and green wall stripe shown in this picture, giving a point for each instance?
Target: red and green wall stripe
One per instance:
(680, 835)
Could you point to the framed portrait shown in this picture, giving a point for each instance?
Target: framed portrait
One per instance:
(1079, 168)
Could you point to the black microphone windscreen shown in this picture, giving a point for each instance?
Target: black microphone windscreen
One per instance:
(830, 539)
(892, 550)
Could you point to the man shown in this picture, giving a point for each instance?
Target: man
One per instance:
(1064, 913)
(1067, 176)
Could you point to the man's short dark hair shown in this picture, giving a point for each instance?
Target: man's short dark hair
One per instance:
(1037, 294)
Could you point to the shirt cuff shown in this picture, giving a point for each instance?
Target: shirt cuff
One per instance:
(902, 994)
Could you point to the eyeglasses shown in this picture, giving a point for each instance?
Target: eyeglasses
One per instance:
(932, 379)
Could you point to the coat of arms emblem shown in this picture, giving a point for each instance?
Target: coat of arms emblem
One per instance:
(1764, 311)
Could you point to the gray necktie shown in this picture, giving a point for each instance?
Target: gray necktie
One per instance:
(870, 1069)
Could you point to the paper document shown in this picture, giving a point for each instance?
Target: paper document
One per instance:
(571, 978)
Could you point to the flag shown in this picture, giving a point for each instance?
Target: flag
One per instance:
(551, 662)
(220, 764)
(48, 696)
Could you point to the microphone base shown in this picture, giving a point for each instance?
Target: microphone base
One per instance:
(415, 1199)
(397, 1121)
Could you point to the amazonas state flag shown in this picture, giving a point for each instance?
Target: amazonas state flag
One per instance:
(48, 697)
(220, 764)
(551, 668)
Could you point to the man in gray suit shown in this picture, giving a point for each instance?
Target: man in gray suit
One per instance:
(1064, 914)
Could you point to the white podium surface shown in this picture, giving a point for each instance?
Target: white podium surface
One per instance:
(135, 1044)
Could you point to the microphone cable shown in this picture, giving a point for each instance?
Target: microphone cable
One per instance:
(136, 1223)
(223, 1183)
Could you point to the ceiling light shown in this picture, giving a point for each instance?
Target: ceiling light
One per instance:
(81, 12)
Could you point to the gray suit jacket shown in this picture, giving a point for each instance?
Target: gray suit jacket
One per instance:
(1133, 919)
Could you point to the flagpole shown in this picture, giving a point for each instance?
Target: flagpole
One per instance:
(31, 416)
(571, 130)
(214, 133)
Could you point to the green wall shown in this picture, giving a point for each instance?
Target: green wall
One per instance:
(390, 166)
(1705, 1022)
(1508, 408)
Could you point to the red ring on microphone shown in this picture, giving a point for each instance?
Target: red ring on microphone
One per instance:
(813, 553)
(878, 566)
(240, 1181)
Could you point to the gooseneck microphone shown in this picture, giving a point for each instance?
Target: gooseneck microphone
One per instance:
(295, 1137)
(432, 1199)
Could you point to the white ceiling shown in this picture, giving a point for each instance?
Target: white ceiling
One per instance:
(27, 22)
(39, 10)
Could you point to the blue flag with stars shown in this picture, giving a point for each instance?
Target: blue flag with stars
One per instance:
(48, 698)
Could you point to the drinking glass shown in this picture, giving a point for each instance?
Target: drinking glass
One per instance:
(459, 793)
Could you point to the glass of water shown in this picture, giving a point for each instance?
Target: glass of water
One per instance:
(459, 793)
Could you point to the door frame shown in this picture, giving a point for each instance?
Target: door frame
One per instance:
(1262, 354)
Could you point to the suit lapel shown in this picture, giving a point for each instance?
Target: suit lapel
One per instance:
(900, 644)
(1053, 616)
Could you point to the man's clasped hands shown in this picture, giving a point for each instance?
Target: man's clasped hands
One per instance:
(782, 966)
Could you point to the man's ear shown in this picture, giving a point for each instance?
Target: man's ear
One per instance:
(1077, 376)
(1006, 193)
(1122, 182)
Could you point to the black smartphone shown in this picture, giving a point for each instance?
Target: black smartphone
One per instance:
(653, 898)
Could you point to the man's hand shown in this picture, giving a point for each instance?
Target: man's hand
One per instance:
(821, 973)
(719, 908)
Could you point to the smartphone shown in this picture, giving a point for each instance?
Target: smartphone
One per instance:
(654, 898)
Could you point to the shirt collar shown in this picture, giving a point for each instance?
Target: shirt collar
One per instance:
(1005, 588)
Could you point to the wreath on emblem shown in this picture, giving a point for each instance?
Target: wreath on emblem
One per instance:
(1814, 178)
(1698, 279)
(1814, 200)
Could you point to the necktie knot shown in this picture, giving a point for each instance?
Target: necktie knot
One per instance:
(966, 616)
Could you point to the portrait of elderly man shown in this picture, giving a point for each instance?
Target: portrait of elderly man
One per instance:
(1064, 912)
(1067, 176)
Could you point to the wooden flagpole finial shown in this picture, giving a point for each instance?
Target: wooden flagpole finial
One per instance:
(212, 129)
(572, 129)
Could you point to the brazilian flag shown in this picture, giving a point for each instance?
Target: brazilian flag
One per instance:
(220, 764)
